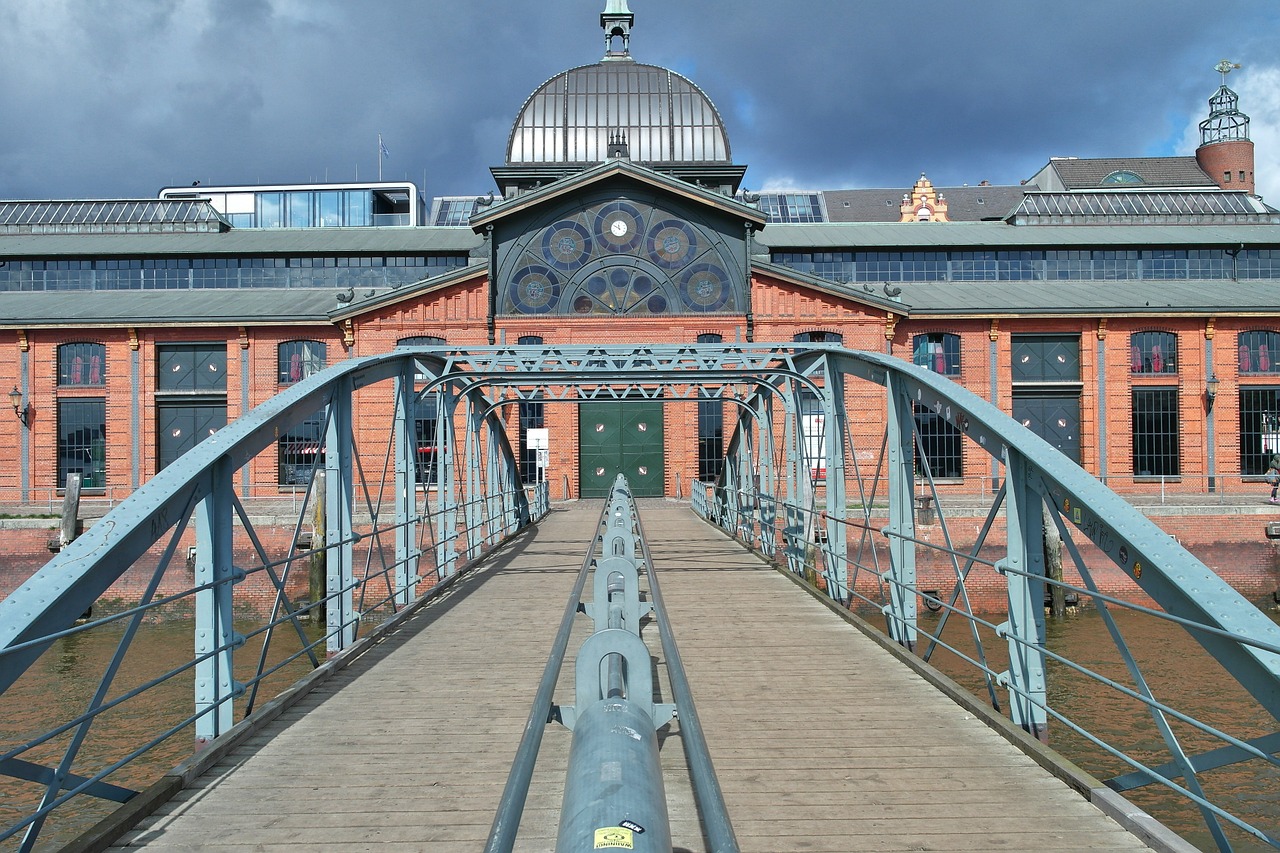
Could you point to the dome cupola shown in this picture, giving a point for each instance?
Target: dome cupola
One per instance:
(618, 107)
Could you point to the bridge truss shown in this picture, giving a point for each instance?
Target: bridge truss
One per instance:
(824, 472)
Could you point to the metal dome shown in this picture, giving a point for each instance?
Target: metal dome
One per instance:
(662, 115)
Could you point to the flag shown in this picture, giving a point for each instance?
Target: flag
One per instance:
(382, 149)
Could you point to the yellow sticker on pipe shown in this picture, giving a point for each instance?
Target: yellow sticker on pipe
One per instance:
(614, 837)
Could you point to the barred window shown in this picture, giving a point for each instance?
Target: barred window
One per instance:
(942, 445)
(425, 432)
(300, 359)
(82, 364)
(1259, 428)
(1155, 432)
(82, 441)
(710, 429)
(1153, 352)
(301, 451)
(938, 351)
(1258, 352)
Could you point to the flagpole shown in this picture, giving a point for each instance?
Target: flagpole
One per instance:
(380, 150)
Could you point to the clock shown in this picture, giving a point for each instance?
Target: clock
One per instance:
(619, 226)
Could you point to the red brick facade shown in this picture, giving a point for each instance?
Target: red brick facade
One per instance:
(1229, 163)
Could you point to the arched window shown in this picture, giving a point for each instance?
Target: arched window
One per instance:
(937, 351)
(1123, 176)
(82, 364)
(299, 359)
(1153, 352)
(818, 338)
(421, 341)
(1258, 351)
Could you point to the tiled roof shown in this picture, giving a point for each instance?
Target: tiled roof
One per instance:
(1077, 173)
(964, 204)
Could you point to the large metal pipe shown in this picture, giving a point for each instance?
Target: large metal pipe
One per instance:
(613, 795)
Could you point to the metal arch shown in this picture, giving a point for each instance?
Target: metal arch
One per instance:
(1161, 567)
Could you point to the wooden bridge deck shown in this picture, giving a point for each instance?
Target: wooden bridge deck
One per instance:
(408, 748)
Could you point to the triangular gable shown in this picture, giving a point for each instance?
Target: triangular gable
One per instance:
(609, 170)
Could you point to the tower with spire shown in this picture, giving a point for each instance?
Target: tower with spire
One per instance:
(617, 20)
(1226, 152)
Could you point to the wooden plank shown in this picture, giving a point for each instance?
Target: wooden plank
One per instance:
(822, 741)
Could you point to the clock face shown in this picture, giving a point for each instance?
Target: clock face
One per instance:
(618, 227)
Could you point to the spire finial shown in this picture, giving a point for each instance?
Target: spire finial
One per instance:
(1225, 122)
(616, 19)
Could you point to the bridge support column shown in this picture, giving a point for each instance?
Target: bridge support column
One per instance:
(1024, 575)
(215, 637)
(902, 608)
(836, 550)
(446, 516)
(340, 614)
(796, 527)
(767, 482)
(406, 452)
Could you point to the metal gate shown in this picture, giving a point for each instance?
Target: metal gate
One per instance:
(620, 436)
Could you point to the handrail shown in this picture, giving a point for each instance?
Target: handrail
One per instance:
(615, 719)
(506, 820)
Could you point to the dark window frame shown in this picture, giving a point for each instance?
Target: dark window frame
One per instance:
(82, 440)
(924, 354)
(1153, 352)
(298, 359)
(82, 364)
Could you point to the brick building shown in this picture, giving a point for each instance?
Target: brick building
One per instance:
(1126, 309)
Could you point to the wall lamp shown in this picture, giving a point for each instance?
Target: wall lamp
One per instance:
(19, 407)
(1210, 390)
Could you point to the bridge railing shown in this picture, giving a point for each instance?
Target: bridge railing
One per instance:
(862, 518)
(262, 600)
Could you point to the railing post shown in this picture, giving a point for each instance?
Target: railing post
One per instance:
(446, 486)
(1024, 575)
(836, 551)
(215, 637)
(767, 484)
(793, 530)
(405, 440)
(902, 609)
(338, 529)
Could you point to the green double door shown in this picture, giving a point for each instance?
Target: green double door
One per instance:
(620, 436)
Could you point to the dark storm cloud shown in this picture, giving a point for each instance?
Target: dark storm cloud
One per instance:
(118, 99)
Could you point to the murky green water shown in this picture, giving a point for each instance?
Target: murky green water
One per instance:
(1181, 675)
(60, 686)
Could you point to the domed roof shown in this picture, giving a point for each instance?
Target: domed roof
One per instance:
(662, 116)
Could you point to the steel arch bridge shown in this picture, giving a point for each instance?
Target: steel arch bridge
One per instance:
(805, 482)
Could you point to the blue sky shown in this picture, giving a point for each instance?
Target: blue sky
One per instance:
(119, 99)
